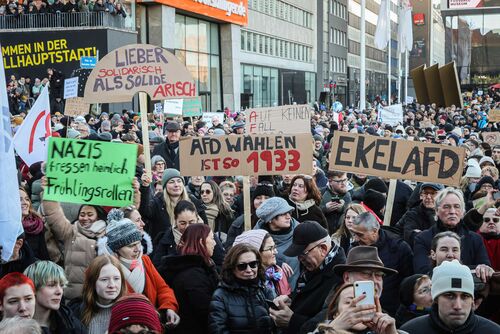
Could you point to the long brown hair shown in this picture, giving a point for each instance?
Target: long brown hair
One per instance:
(32, 213)
(333, 307)
(311, 187)
(89, 294)
(343, 231)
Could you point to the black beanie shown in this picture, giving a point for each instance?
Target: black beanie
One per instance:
(263, 189)
(484, 180)
(376, 184)
(407, 288)
(374, 200)
(448, 127)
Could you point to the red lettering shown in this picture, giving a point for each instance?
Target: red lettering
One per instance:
(252, 117)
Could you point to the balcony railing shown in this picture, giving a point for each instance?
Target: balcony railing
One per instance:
(65, 20)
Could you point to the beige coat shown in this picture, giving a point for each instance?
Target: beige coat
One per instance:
(79, 245)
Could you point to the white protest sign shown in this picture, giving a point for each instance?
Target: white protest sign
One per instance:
(70, 88)
(392, 115)
(207, 117)
(173, 107)
(409, 99)
(283, 119)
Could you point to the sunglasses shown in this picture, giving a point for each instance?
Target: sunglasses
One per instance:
(243, 266)
(495, 220)
(206, 191)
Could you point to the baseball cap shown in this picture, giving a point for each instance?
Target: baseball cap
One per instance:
(305, 233)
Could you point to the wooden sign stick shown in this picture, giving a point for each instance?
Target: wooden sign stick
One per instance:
(143, 107)
(390, 202)
(246, 203)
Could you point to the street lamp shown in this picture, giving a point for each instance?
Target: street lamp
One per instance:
(282, 75)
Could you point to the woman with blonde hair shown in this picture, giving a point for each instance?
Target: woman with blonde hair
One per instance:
(342, 236)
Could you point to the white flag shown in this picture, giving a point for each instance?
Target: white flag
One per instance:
(381, 35)
(10, 205)
(30, 140)
(405, 29)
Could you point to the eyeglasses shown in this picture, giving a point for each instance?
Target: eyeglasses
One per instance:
(338, 181)
(425, 193)
(244, 266)
(367, 274)
(207, 191)
(487, 220)
(270, 249)
(160, 163)
(424, 290)
(305, 253)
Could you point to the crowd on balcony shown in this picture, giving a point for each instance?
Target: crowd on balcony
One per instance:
(18, 8)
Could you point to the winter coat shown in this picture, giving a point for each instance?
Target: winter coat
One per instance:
(303, 212)
(417, 218)
(38, 244)
(283, 240)
(432, 324)
(64, 322)
(26, 258)
(333, 217)
(79, 246)
(99, 7)
(169, 152)
(310, 295)
(236, 309)
(405, 314)
(473, 251)
(492, 244)
(194, 283)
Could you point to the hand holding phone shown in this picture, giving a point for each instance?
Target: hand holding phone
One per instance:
(366, 288)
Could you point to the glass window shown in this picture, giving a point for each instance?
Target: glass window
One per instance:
(257, 86)
(215, 84)
(214, 38)
(204, 75)
(266, 87)
(192, 64)
(204, 36)
(274, 87)
(180, 32)
(191, 34)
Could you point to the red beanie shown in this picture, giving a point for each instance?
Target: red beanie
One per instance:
(134, 309)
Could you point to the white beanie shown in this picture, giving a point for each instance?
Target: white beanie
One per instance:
(253, 238)
(451, 276)
(473, 169)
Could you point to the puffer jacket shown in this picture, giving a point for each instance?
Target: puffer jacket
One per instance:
(238, 309)
(79, 245)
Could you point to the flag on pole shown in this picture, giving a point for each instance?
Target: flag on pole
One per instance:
(405, 29)
(30, 140)
(381, 36)
(10, 205)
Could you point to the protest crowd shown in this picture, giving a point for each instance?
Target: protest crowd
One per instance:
(33, 7)
(180, 260)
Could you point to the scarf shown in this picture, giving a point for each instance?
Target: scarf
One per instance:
(96, 230)
(306, 276)
(212, 211)
(177, 235)
(134, 273)
(33, 225)
(273, 275)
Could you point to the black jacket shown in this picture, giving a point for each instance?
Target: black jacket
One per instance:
(308, 298)
(26, 257)
(432, 324)
(473, 251)
(169, 152)
(38, 244)
(65, 322)
(333, 217)
(313, 213)
(236, 308)
(417, 218)
(193, 282)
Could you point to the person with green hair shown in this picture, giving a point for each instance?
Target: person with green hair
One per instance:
(52, 315)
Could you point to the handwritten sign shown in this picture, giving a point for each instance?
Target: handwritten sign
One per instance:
(139, 68)
(392, 115)
(207, 118)
(76, 106)
(397, 159)
(284, 119)
(246, 155)
(71, 87)
(92, 172)
(492, 138)
(494, 115)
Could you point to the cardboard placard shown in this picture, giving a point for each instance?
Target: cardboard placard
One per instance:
(434, 85)
(417, 74)
(91, 172)
(494, 115)
(246, 155)
(397, 159)
(392, 115)
(492, 138)
(283, 119)
(451, 86)
(70, 87)
(76, 106)
(139, 68)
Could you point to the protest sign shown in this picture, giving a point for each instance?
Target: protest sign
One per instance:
(494, 115)
(191, 107)
(246, 155)
(207, 117)
(70, 88)
(492, 138)
(392, 115)
(76, 106)
(139, 68)
(91, 172)
(284, 119)
(173, 107)
(397, 159)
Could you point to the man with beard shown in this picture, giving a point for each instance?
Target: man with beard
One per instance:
(420, 217)
(169, 150)
(335, 198)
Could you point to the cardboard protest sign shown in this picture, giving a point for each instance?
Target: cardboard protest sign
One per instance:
(494, 115)
(246, 155)
(284, 119)
(91, 172)
(71, 87)
(451, 86)
(417, 74)
(434, 85)
(397, 159)
(76, 107)
(392, 115)
(492, 138)
(173, 107)
(139, 68)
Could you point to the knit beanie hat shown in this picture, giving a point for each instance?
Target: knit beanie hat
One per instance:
(272, 207)
(318, 138)
(473, 169)
(169, 174)
(376, 184)
(451, 276)
(263, 189)
(374, 200)
(134, 309)
(120, 232)
(157, 158)
(253, 237)
(485, 180)
(407, 288)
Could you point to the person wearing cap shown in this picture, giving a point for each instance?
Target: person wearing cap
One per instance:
(450, 209)
(394, 252)
(238, 128)
(169, 149)
(318, 255)
(123, 241)
(420, 217)
(453, 304)
(335, 198)
(134, 313)
(415, 297)
(470, 179)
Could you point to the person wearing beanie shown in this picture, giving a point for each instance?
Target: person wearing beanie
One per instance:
(123, 240)
(134, 310)
(453, 304)
(485, 184)
(276, 278)
(415, 298)
(394, 252)
(157, 167)
(374, 202)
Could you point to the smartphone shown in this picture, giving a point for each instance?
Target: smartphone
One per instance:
(366, 288)
(496, 195)
(271, 304)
